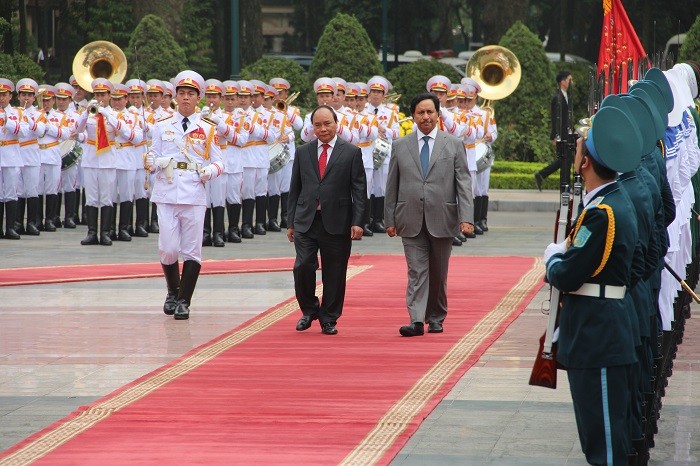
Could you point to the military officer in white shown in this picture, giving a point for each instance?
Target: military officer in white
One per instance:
(80, 104)
(167, 103)
(128, 133)
(98, 162)
(184, 156)
(274, 178)
(296, 123)
(384, 126)
(137, 91)
(69, 164)
(50, 172)
(12, 128)
(31, 157)
(325, 90)
(234, 117)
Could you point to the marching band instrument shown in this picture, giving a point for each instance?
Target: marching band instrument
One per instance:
(497, 71)
(71, 152)
(279, 155)
(99, 59)
(282, 104)
(381, 148)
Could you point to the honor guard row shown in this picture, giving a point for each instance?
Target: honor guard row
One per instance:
(623, 308)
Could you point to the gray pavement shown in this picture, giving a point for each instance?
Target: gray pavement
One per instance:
(65, 345)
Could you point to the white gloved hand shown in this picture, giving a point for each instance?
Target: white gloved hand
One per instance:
(103, 111)
(163, 162)
(149, 161)
(206, 111)
(52, 131)
(206, 173)
(554, 248)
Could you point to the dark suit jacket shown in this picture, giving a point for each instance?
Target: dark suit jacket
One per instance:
(342, 192)
(443, 197)
(559, 114)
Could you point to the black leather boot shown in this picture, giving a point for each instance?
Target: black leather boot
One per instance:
(91, 221)
(10, 218)
(32, 213)
(57, 210)
(113, 223)
(188, 282)
(206, 237)
(378, 225)
(273, 204)
(2, 215)
(234, 213)
(484, 213)
(83, 216)
(141, 218)
(40, 213)
(172, 280)
(284, 199)
(124, 216)
(217, 214)
(105, 224)
(260, 214)
(477, 215)
(48, 219)
(153, 228)
(19, 222)
(69, 220)
(247, 225)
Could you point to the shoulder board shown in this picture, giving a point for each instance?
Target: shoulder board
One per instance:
(164, 118)
(595, 202)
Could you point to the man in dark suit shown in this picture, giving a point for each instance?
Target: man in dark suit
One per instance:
(561, 123)
(327, 199)
(428, 199)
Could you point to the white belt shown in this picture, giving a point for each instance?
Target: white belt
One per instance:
(596, 290)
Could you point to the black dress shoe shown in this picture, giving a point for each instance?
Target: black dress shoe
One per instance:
(434, 327)
(182, 310)
(170, 304)
(484, 227)
(461, 236)
(206, 239)
(218, 240)
(272, 225)
(49, 226)
(470, 235)
(140, 232)
(32, 230)
(477, 229)
(246, 231)
(456, 241)
(11, 234)
(69, 223)
(329, 329)
(234, 235)
(124, 235)
(538, 181)
(413, 330)
(304, 323)
(260, 229)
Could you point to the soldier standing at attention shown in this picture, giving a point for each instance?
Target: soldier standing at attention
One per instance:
(593, 268)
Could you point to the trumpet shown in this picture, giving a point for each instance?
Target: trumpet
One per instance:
(93, 107)
(283, 104)
(392, 98)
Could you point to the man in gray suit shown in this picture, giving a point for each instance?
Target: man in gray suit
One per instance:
(428, 198)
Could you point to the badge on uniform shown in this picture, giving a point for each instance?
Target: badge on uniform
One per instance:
(581, 237)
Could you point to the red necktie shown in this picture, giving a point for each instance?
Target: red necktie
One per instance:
(323, 159)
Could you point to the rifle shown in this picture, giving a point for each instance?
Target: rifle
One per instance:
(544, 371)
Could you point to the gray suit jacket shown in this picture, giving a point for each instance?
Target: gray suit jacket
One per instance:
(443, 196)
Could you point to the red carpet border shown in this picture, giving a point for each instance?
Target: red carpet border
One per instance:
(266, 394)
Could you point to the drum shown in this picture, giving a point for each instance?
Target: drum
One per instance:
(484, 156)
(380, 151)
(279, 156)
(71, 152)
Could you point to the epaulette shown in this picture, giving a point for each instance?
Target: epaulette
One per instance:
(163, 119)
(594, 203)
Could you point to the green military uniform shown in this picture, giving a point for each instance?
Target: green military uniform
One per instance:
(596, 332)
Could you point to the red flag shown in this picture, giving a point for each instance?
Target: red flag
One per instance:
(619, 44)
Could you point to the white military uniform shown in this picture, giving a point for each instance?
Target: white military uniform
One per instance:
(181, 197)
(488, 123)
(10, 158)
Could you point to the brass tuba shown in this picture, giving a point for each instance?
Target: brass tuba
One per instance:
(497, 70)
(99, 59)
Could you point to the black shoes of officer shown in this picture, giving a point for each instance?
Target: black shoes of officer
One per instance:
(172, 280)
(247, 231)
(304, 323)
(260, 229)
(272, 225)
(329, 329)
(234, 235)
(367, 230)
(413, 330)
(434, 327)
(91, 220)
(218, 240)
(188, 282)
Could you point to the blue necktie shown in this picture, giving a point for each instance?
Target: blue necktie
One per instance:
(425, 155)
(185, 121)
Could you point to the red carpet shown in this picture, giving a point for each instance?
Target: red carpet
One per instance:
(93, 272)
(266, 394)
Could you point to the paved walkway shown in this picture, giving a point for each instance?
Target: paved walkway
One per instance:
(62, 346)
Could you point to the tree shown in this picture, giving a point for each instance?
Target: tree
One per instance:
(269, 67)
(410, 79)
(345, 50)
(115, 20)
(153, 51)
(523, 117)
(251, 31)
(197, 38)
(690, 50)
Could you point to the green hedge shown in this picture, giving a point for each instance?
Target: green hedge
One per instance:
(519, 175)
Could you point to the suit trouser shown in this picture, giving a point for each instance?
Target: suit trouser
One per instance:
(181, 231)
(274, 183)
(428, 259)
(369, 176)
(379, 179)
(140, 184)
(601, 399)
(335, 252)
(126, 182)
(286, 175)
(551, 168)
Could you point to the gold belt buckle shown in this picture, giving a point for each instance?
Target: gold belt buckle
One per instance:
(182, 165)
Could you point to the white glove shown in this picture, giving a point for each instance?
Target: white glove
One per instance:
(149, 160)
(52, 131)
(206, 173)
(162, 162)
(214, 118)
(206, 111)
(554, 248)
(103, 111)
